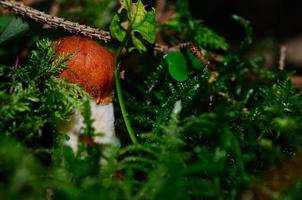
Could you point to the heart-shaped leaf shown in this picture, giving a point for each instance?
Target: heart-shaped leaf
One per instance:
(177, 66)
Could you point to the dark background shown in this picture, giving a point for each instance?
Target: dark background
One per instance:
(280, 19)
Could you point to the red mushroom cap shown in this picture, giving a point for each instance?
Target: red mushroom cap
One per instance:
(91, 67)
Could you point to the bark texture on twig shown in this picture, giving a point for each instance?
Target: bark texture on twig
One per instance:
(90, 32)
(56, 22)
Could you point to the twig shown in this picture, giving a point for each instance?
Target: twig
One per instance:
(30, 2)
(282, 58)
(11, 89)
(163, 11)
(199, 53)
(54, 10)
(90, 32)
(56, 22)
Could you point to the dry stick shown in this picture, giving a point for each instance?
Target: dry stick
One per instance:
(54, 10)
(282, 58)
(56, 22)
(87, 31)
(163, 11)
(200, 54)
(30, 2)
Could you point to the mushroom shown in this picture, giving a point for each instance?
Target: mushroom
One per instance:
(92, 67)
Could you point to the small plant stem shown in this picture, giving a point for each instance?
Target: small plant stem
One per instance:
(120, 92)
(56, 22)
(11, 89)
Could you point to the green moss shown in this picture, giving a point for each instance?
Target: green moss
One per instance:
(198, 139)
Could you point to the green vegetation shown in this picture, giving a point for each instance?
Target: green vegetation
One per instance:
(202, 133)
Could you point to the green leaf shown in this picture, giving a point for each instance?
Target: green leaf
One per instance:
(138, 44)
(4, 20)
(116, 29)
(193, 30)
(195, 62)
(206, 37)
(138, 21)
(15, 28)
(177, 66)
(248, 40)
(144, 22)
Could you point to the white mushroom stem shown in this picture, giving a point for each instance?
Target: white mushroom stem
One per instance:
(103, 124)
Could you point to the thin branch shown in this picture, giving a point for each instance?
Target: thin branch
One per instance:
(199, 53)
(283, 50)
(164, 11)
(54, 10)
(94, 33)
(160, 5)
(30, 2)
(56, 22)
